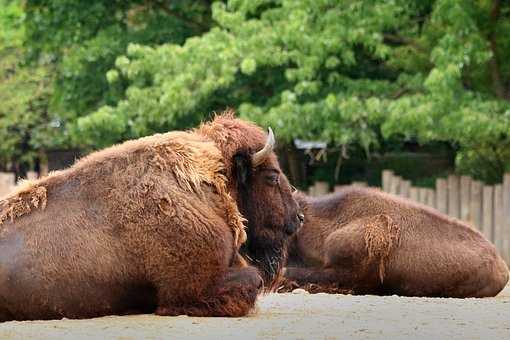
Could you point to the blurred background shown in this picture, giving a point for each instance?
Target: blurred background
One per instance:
(350, 88)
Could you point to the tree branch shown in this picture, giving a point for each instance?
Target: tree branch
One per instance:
(400, 40)
(182, 18)
(495, 71)
(341, 156)
(399, 93)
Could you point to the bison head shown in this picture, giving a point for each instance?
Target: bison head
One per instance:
(262, 192)
(265, 199)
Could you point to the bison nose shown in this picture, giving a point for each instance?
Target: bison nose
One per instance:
(301, 218)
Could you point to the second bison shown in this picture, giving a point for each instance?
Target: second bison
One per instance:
(367, 241)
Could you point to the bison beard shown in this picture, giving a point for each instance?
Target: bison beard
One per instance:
(365, 241)
(269, 258)
(265, 247)
(149, 225)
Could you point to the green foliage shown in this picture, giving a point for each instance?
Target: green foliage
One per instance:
(341, 71)
(54, 58)
(292, 66)
(464, 98)
(24, 91)
(354, 73)
(84, 39)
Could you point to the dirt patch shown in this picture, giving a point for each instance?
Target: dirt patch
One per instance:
(300, 316)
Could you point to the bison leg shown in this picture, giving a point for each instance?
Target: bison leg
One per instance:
(354, 256)
(5, 316)
(235, 295)
(316, 275)
(486, 282)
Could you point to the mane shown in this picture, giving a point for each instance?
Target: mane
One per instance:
(232, 135)
(29, 195)
(195, 162)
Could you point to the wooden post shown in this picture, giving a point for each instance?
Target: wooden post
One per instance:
(395, 185)
(43, 163)
(338, 188)
(442, 195)
(453, 196)
(465, 190)
(488, 211)
(321, 188)
(422, 195)
(7, 183)
(430, 198)
(405, 186)
(31, 175)
(506, 218)
(311, 190)
(475, 205)
(414, 194)
(387, 176)
(499, 221)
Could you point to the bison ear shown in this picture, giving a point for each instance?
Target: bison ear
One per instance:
(242, 164)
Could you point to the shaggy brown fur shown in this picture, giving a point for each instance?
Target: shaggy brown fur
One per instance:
(372, 242)
(154, 224)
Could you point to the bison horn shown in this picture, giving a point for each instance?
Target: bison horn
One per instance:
(260, 156)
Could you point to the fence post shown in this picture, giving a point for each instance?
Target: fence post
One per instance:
(453, 196)
(321, 188)
(387, 176)
(465, 190)
(475, 205)
(488, 210)
(7, 183)
(442, 195)
(405, 186)
(499, 221)
(506, 217)
(395, 185)
(422, 195)
(311, 190)
(31, 175)
(430, 198)
(414, 194)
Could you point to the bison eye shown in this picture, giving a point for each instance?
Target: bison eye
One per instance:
(273, 179)
(293, 189)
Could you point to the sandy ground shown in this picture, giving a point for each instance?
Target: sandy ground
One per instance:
(300, 316)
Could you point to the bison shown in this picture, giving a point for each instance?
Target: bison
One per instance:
(155, 224)
(365, 241)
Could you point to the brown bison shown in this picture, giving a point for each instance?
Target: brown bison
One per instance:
(153, 224)
(370, 242)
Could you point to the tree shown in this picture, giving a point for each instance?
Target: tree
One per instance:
(341, 71)
(54, 56)
(25, 124)
(352, 73)
(463, 96)
(83, 39)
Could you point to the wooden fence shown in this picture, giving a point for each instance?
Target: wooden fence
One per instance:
(8, 181)
(485, 207)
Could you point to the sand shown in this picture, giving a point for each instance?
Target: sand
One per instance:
(300, 315)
